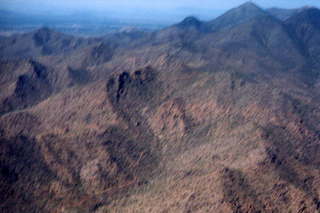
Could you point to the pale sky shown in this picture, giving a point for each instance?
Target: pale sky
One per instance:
(150, 4)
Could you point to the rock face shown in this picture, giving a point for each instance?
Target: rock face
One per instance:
(219, 116)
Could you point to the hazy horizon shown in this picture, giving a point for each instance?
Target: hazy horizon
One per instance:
(144, 4)
(140, 9)
(98, 17)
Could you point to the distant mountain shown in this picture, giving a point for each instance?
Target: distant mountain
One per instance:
(305, 26)
(238, 15)
(188, 29)
(201, 116)
(308, 17)
(190, 21)
(44, 41)
(284, 14)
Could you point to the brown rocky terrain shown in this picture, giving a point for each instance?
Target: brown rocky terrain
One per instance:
(218, 116)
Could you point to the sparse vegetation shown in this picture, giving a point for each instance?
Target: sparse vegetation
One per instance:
(219, 116)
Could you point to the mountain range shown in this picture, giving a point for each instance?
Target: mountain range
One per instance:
(201, 116)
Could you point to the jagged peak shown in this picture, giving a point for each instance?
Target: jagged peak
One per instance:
(190, 21)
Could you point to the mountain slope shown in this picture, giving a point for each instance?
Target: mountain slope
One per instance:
(185, 119)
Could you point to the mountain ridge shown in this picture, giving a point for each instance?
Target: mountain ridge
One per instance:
(219, 116)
